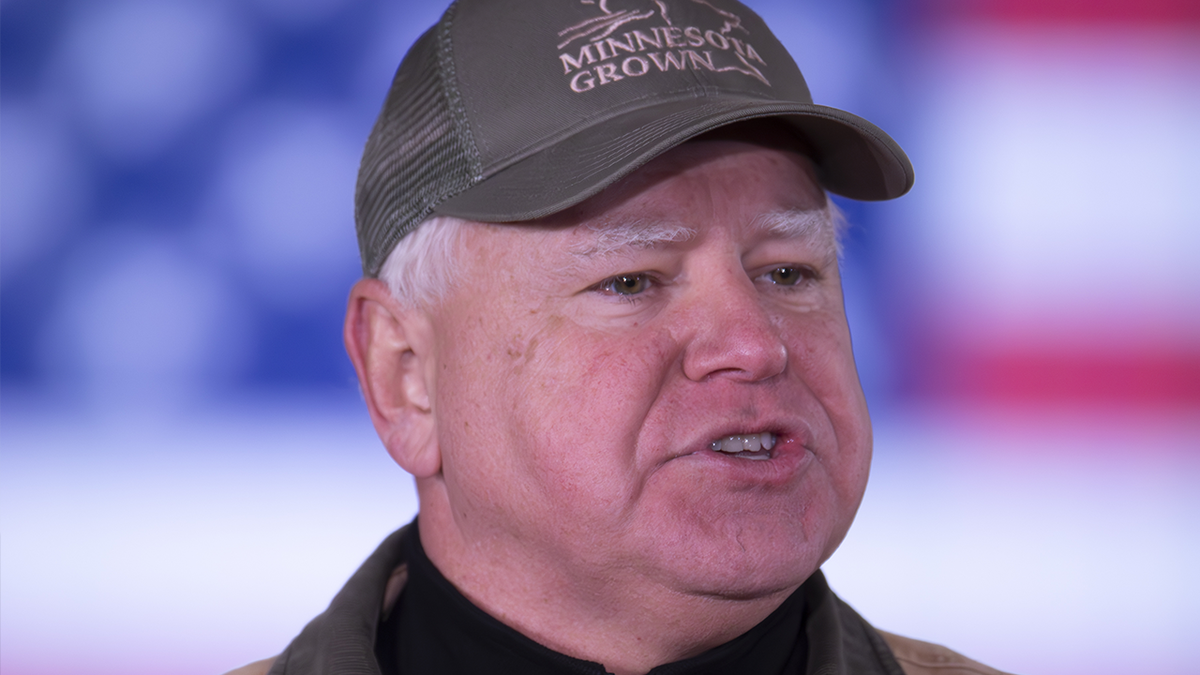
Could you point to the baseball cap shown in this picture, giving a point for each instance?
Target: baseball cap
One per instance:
(511, 110)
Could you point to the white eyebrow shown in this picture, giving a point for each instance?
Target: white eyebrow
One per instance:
(638, 233)
(643, 233)
(827, 222)
(793, 223)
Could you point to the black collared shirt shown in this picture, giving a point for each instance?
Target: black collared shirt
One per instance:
(435, 630)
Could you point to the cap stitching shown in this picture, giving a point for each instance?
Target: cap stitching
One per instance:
(446, 71)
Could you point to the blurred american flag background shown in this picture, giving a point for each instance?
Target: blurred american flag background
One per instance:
(187, 474)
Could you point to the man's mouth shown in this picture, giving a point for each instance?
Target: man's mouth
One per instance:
(746, 446)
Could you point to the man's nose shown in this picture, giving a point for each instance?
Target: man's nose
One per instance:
(732, 334)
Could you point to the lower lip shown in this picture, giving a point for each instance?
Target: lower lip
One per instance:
(789, 457)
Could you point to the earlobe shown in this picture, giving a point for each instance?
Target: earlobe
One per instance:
(390, 348)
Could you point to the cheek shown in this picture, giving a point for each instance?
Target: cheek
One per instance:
(824, 360)
(483, 351)
(580, 405)
(821, 353)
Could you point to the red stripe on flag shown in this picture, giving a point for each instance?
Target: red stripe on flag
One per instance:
(1078, 377)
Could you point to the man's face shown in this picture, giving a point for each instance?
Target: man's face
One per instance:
(583, 378)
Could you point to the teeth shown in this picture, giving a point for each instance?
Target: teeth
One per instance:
(745, 443)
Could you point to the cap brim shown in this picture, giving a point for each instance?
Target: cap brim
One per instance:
(854, 158)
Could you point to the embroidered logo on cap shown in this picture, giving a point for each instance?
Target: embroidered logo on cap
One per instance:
(627, 43)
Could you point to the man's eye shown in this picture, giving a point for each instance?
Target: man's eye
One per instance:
(626, 284)
(790, 276)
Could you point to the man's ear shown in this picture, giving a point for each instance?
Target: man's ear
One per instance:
(391, 348)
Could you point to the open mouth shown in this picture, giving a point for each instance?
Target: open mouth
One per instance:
(746, 446)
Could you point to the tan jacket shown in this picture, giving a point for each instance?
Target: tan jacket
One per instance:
(340, 641)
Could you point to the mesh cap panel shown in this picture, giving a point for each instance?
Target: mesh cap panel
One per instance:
(418, 154)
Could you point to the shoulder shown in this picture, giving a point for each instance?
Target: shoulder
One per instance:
(924, 658)
(256, 668)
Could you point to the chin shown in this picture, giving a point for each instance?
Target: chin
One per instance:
(761, 581)
(746, 560)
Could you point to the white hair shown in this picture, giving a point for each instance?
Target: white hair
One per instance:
(840, 224)
(424, 265)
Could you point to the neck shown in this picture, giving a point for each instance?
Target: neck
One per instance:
(616, 617)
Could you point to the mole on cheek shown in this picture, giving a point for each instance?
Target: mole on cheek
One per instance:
(525, 351)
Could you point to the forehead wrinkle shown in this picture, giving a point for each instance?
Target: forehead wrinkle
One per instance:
(608, 237)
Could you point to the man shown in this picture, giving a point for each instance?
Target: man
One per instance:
(602, 325)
